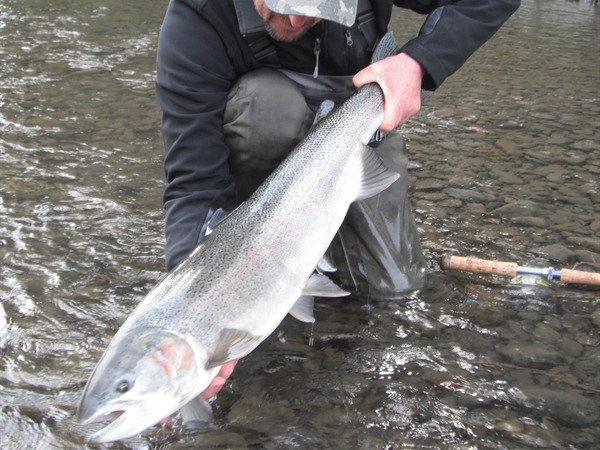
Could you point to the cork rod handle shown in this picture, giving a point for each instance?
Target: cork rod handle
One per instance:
(478, 265)
(579, 277)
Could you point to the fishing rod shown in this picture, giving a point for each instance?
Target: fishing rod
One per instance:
(511, 269)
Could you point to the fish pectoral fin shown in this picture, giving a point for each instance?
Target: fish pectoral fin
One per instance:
(232, 344)
(319, 285)
(303, 309)
(197, 415)
(376, 177)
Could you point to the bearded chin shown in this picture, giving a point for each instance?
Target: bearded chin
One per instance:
(282, 36)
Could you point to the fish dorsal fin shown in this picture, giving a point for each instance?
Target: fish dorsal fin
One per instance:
(376, 177)
(319, 285)
(197, 414)
(232, 344)
(324, 109)
(303, 309)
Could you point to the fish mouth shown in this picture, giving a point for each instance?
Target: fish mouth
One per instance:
(121, 427)
(101, 417)
(91, 412)
(125, 424)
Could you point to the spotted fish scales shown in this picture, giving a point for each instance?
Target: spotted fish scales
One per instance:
(237, 286)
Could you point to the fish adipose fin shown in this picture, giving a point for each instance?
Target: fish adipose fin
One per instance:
(197, 415)
(232, 344)
(375, 177)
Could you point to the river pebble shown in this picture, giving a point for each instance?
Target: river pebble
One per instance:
(596, 317)
(569, 347)
(534, 355)
(566, 406)
(546, 333)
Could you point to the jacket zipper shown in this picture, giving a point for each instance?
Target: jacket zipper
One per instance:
(317, 51)
(349, 40)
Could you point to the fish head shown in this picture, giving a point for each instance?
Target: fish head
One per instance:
(144, 376)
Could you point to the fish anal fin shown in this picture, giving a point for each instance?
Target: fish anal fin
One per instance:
(303, 309)
(232, 344)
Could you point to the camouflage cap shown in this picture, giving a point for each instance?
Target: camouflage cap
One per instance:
(340, 11)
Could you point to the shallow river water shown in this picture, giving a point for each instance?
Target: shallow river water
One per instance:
(505, 164)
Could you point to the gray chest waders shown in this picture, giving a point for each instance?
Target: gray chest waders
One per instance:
(377, 249)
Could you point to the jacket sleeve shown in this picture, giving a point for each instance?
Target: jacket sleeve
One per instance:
(193, 77)
(453, 31)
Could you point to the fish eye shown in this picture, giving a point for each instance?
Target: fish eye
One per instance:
(123, 386)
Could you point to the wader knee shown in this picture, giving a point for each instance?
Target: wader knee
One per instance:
(265, 117)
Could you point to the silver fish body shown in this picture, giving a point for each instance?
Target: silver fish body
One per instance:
(245, 276)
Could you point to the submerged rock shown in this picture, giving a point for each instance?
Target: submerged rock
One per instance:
(566, 407)
(534, 355)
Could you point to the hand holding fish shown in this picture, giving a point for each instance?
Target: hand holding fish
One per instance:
(219, 381)
(400, 78)
(216, 384)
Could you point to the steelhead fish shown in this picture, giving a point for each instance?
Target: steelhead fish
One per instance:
(237, 286)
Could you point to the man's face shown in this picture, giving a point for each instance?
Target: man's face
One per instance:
(283, 27)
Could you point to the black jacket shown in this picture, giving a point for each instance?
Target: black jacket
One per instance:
(201, 52)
